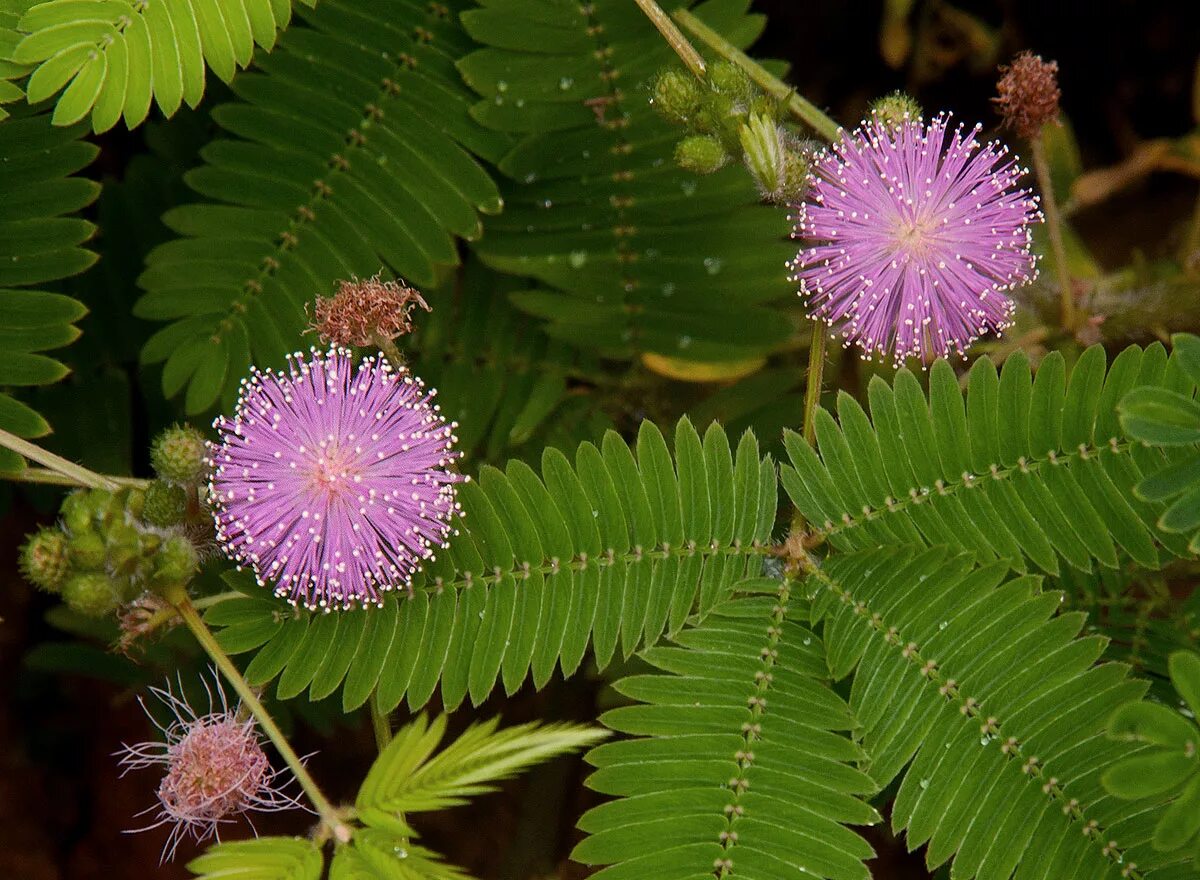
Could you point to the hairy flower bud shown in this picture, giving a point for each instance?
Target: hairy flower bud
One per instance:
(90, 593)
(729, 79)
(77, 512)
(1028, 94)
(175, 563)
(700, 154)
(45, 561)
(88, 552)
(177, 455)
(165, 504)
(676, 96)
(361, 311)
(896, 109)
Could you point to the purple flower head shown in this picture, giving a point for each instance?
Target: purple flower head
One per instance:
(913, 234)
(333, 481)
(215, 769)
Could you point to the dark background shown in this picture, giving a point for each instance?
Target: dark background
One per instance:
(1126, 73)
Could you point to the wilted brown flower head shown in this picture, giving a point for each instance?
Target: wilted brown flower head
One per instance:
(1029, 94)
(360, 309)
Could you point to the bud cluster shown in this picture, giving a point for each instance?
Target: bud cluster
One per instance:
(727, 117)
(109, 547)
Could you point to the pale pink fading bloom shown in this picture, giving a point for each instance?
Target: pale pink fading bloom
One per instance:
(334, 480)
(914, 235)
(216, 769)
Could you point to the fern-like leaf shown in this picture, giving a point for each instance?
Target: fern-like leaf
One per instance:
(264, 858)
(110, 58)
(970, 686)
(638, 255)
(345, 160)
(39, 243)
(740, 766)
(1028, 470)
(610, 550)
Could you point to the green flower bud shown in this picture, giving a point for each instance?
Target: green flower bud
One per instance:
(90, 593)
(676, 95)
(124, 548)
(178, 455)
(729, 79)
(165, 504)
(77, 512)
(700, 154)
(716, 115)
(895, 109)
(175, 563)
(45, 559)
(134, 499)
(764, 154)
(88, 552)
(127, 588)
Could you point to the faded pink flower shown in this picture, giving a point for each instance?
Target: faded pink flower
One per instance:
(215, 769)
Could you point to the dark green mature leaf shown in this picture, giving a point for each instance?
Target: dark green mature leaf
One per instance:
(739, 759)
(347, 158)
(971, 688)
(1028, 471)
(594, 552)
(636, 255)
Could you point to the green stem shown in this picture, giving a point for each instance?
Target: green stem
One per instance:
(816, 374)
(389, 349)
(805, 111)
(79, 475)
(328, 813)
(380, 723)
(1189, 257)
(685, 50)
(1054, 226)
(54, 478)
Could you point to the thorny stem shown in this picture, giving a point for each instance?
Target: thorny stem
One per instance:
(48, 477)
(1054, 226)
(816, 373)
(804, 110)
(380, 723)
(685, 50)
(79, 475)
(178, 597)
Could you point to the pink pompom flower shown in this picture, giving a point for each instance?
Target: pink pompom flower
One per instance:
(215, 769)
(914, 234)
(333, 480)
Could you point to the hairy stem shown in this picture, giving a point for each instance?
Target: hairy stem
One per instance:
(54, 478)
(804, 110)
(380, 723)
(389, 349)
(328, 813)
(816, 375)
(1054, 226)
(79, 475)
(686, 51)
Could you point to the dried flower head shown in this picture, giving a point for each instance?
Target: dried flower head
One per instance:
(914, 233)
(215, 769)
(1029, 94)
(361, 309)
(334, 480)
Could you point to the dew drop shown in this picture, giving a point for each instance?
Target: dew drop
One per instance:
(577, 259)
(712, 265)
(565, 83)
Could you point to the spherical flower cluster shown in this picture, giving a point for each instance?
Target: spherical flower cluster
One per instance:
(361, 309)
(215, 769)
(914, 233)
(1028, 94)
(333, 481)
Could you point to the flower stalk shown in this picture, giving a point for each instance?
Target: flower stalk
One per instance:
(685, 50)
(381, 724)
(816, 374)
(1054, 228)
(330, 817)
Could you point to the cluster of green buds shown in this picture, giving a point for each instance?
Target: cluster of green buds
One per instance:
(110, 547)
(727, 116)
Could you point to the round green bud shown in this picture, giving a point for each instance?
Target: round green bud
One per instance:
(676, 95)
(165, 504)
(178, 455)
(127, 588)
(124, 548)
(176, 562)
(90, 593)
(45, 559)
(729, 79)
(700, 154)
(895, 109)
(716, 115)
(88, 552)
(134, 499)
(76, 512)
